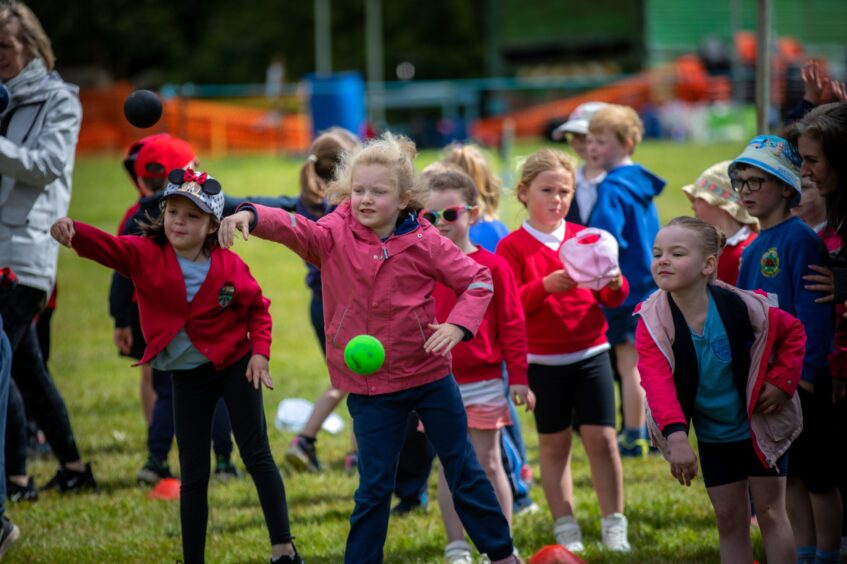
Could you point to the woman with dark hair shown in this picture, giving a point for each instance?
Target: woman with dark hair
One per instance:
(38, 135)
(821, 139)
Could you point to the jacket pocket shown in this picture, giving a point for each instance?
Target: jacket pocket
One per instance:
(334, 331)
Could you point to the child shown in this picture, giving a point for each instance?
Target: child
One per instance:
(488, 229)
(588, 175)
(726, 360)
(625, 209)
(767, 177)
(812, 211)
(487, 232)
(148, 163)
(379, 267)
(477, 364)
(569, 368)
(315, 175)
(205, 320)
(714, 201)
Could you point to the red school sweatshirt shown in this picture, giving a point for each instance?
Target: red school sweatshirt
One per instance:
(564, 322)
(501, 335)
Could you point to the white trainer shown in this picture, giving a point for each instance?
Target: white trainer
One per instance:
(567, 533)
(613, 529)
(458, 552)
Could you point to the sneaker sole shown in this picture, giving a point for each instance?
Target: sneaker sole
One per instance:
(298, 463)
(11, 539)
(147, 477)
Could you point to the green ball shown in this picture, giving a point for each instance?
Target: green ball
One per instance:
(364, 354)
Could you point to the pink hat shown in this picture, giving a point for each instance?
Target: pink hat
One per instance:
(591, 258)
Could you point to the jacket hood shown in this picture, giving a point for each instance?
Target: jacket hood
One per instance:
(35, 79)
(641, 184)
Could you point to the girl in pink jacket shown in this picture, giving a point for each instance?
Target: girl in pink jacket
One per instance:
(724, 359)
(379, 267)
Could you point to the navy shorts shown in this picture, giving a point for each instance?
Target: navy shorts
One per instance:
(726, 463)
(622, 325)
(811, 454)
(584, 388)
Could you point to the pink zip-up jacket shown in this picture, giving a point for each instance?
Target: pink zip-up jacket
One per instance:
(383, 289)
(776, 358)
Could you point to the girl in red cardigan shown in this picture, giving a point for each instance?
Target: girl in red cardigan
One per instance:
(722, 358)
(569, 367)
(204, 318)
(477, 364)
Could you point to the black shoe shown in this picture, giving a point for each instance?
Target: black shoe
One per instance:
(17, 493)
(289, 559)
(67, 480)
(153, 471)
(225, 469)
(406, 506)
(302, 455)
(8, 535)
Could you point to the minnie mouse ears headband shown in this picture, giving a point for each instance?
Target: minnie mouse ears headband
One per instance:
(207, 184)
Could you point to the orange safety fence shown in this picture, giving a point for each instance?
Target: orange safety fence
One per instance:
(213, 128)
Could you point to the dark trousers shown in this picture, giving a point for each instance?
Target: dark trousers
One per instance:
(380, 426)
(196, 393)
(160, 434)
(31, 384)
(415, 464)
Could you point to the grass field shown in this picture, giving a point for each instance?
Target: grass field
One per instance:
(668, 523)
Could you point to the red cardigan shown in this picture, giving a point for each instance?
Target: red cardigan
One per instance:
(729, 263)
(226, 317)
(501, 335)
(564, 322)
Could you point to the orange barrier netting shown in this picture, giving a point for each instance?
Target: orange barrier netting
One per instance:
(213, 128)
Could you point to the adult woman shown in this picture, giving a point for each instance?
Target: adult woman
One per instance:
(38, 135)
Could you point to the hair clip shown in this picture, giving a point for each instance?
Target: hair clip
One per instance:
(313, 159)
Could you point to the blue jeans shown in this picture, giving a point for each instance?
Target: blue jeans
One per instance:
(380, 426)
(5, 377)
(160, 434)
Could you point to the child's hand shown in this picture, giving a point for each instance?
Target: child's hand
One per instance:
(522, 395)
(682, 458)
(616, 283)
(239, 221)
(771, 399)
(446, 337)
(558, 281)
(824, 282)
(123, 339)
(258, 372)
(63, 231)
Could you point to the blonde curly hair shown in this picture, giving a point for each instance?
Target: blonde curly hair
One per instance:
(395, 152)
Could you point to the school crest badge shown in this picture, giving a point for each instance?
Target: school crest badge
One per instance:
(225, 294)
(769, 263)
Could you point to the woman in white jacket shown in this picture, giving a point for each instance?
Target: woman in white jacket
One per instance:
(38, 135)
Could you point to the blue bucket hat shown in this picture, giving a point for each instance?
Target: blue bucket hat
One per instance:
(774, 155)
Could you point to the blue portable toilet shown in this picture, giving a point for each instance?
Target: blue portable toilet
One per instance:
(337, 100)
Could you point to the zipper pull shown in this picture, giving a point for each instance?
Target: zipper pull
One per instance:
(385, 252)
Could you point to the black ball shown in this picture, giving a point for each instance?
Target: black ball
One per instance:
(143, 108)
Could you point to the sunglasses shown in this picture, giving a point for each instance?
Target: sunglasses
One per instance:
(449, 215)
(754, 183)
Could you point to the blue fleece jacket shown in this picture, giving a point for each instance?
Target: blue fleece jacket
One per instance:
(776, 262)
(625, 209)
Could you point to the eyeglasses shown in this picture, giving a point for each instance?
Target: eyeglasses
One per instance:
(754, 183)
(449, 215)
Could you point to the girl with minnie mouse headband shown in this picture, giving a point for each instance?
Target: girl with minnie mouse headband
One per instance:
(205, 319)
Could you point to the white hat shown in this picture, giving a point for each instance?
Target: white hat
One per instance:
(591, 258)
(578, 120)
